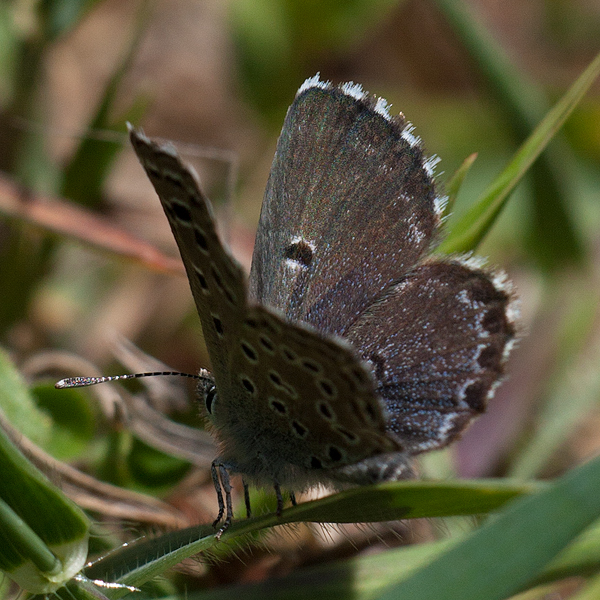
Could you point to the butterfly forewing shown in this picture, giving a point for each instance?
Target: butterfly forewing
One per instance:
(217, 281)
(349, 208)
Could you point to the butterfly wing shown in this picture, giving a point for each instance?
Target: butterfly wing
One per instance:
(341, 163)
(313, 402)
(217, 281)
(437, 343)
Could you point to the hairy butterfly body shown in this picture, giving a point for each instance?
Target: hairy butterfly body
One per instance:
(349, 349)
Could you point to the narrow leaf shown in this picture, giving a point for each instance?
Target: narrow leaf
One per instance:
(509, 552)
(472, 228)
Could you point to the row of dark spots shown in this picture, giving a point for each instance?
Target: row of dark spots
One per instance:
(334, 453)
(288, 354)
(218, 282)
(187, 189)
(202, 242)
(183, 215)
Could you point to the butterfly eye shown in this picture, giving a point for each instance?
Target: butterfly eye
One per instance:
(210, 395)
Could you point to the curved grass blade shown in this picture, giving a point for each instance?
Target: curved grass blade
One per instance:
(138, 563)
(553, 238)
(363, 577)
(455, 182)
(466, 235)
(43, 535)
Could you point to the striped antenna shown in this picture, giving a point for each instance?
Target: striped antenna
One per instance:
(74, 382)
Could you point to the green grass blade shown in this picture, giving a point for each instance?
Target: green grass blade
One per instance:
(137, 564)
(43, 535)
(18, 406)
(363, 577)
(25, 543)
(508, 553)
(472, 228)
(553, 239)
(455, 182)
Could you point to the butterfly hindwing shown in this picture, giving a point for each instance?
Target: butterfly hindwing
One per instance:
(437, 343)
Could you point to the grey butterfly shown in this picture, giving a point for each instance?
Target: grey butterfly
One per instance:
(349, 349)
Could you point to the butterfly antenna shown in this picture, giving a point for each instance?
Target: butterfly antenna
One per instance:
(74, 382)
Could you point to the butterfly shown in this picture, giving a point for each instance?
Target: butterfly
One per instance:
(350, 348)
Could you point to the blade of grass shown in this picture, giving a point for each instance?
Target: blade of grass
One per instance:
(43, 535)
(454, 184)
(506, 555)
(552, 237)
(472, 228)
(362, 577)
(138, 563)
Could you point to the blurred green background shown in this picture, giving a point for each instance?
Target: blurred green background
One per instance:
(473, 77)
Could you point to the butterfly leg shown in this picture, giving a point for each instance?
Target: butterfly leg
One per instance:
(279, 499)
(217, 484)
(220, 477)
(247, 500)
